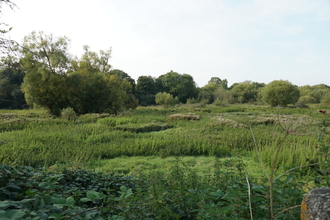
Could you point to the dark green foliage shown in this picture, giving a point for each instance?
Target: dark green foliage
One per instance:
(90, 93)
(28, 193)
(146, 90)
(246, 92)
(181, 193)
(11, 78)
(205, 95)
(124, 76)
(181, 86)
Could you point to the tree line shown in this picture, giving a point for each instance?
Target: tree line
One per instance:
(42, 73)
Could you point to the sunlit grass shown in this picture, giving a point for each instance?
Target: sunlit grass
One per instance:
(31, 137)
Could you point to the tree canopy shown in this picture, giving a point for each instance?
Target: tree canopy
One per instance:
(11, 78)
(146, 90)
(246, 92)
(181, 86)
(280, 92)
(55, 80)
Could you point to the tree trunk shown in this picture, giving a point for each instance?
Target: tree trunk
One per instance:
(316, 205)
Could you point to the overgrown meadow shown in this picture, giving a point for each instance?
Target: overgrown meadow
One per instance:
(189, 162)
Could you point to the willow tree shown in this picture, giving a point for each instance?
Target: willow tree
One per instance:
(280, 92)
(45, 59)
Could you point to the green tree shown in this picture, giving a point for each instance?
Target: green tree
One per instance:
(212, 90)
(129, 86)
(319, 91)
(97, 92)
(122, 75)
(313, 94)
(55, 81)
(92, 62)
(224, 95)
(205, 95)
(97, 88)
(182, 86)
(280, 92)
(215, 80)
(246, 92)
(146, 90)
(45, 61)
(326, 100)
(11, 78)
(44, 89)
(45, 51)
(224, 84)
(166, 100)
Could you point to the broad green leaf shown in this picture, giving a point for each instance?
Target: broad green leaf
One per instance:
(12, 214)
(7, 203)
(43, 184)
(58, 201)
(85, 200)
(94, 195)
(218, 193)
(70, 201)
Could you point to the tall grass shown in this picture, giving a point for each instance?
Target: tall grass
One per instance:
(32, 138)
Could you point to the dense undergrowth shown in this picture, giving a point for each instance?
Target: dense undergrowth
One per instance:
(230, 189)
(27, 193)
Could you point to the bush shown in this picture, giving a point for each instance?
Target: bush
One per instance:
(326, 100)
(68, 113)
(306, 99)
(166, 99)
(280, 92)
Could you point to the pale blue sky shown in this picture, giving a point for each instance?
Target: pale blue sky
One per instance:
(237, 40)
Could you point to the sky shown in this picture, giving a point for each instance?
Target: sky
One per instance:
(237, 40)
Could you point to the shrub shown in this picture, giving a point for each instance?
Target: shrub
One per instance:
(166, 99)
(306, 99)
(280, 92)
(326, 100)
(68, 113)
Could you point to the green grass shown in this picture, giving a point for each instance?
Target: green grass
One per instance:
(193, 168)
(204, 166)
(30, 137)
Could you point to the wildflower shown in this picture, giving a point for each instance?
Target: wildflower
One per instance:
(316, 147)
(322, 111)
